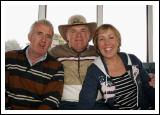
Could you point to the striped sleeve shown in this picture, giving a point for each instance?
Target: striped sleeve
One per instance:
(53, 91)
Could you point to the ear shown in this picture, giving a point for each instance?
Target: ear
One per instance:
(29, 36)
(67, 36)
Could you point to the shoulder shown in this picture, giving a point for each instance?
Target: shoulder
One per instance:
(91, 47)
(134, 59)
(52, 62)
(94, 69)
(90, 51)
(13, 53)
(52, 58)
(59, 50)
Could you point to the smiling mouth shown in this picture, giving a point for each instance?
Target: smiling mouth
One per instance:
(108, 49)
(78, 40)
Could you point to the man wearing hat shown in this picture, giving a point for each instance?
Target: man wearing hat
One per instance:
(76, 56)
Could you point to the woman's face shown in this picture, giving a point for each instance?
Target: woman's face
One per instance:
(108, 43)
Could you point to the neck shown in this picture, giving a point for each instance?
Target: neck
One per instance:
(33, 56)
(114, 60)
(77, 50)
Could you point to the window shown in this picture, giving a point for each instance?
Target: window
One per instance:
(18, 20)
(131, 23)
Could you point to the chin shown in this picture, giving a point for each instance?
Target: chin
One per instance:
(42, 52)
(108, 56)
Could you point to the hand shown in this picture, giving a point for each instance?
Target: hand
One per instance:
(152, 80)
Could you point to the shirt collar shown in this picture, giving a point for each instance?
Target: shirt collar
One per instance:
(40, 59)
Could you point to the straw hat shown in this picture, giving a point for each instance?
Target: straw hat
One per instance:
(77, 20)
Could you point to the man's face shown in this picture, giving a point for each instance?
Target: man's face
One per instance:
(78, 37)
(40, 39)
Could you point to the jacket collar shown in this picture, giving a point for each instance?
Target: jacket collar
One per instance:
(98, 62)
(125, 58)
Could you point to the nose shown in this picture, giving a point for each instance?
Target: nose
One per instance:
(43, 38)
(106, 41)
(78, 34)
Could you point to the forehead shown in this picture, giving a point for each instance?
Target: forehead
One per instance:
(78, 27)
(105, 31)
(43, 27)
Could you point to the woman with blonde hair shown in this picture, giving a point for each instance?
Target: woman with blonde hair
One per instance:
(119, 76)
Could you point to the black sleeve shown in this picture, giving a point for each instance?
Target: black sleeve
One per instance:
(88, 94)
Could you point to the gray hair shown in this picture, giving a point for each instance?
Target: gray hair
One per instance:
(43, 21)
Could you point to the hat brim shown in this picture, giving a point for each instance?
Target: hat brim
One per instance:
(63, 29)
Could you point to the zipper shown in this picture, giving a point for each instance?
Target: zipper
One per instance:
(79, 76)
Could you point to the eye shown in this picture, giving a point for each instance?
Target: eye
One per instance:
(72, 31)
(100, 38)
(49, 36)
(39, 33)
(84, 30)
(111, 37)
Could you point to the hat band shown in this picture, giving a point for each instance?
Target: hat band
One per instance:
(77, 22)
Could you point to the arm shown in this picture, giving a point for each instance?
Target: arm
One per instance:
(88, 94)
(7, 74)
(147, 83)
(6, 88)
(148, 86)
(53, 91)
(150, 68)
(152, 80)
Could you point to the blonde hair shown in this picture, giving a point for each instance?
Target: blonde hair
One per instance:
(106, 27)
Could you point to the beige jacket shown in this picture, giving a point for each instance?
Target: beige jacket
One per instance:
(75, 68)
